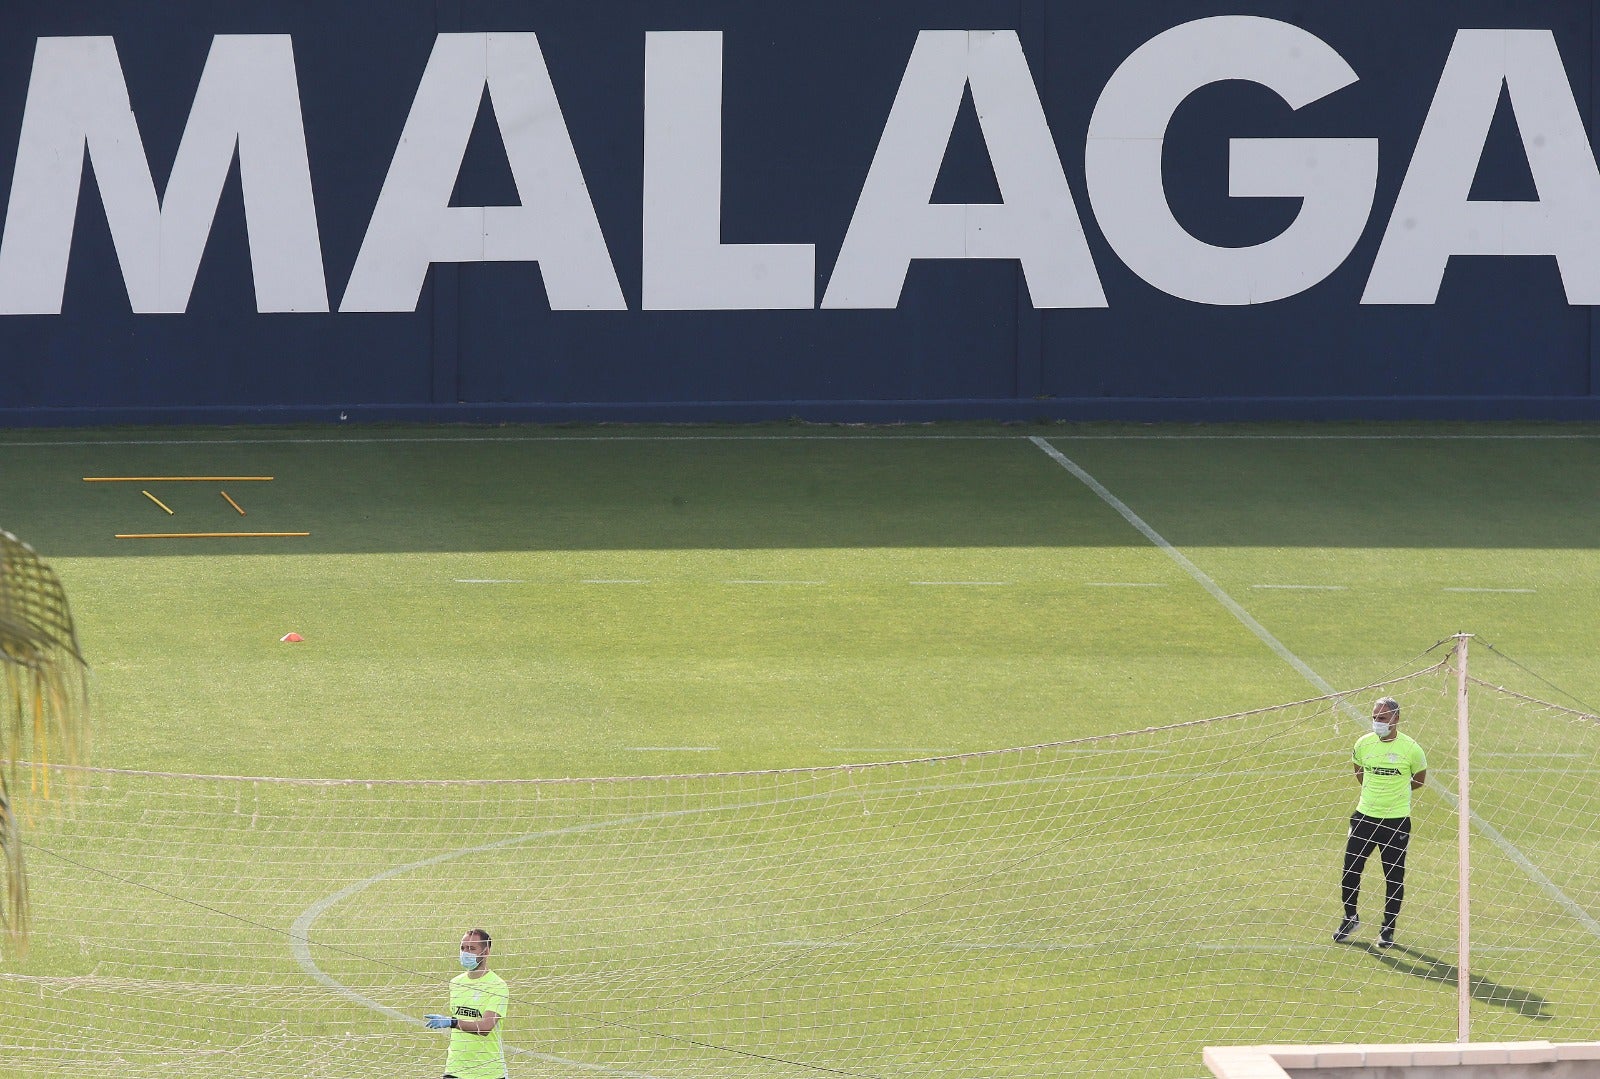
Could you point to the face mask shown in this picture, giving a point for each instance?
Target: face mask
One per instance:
(469, 960)
(1382, 729)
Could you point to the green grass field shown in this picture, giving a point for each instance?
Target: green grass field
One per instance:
(509, 603)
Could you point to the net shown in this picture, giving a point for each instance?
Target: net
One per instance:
(1109, 905)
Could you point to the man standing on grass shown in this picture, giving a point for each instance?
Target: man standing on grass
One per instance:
(1388, 766)
(478, 1001)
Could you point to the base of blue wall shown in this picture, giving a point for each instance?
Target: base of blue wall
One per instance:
(1120, 409)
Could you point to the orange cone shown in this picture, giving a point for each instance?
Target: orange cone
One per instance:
(291, 638)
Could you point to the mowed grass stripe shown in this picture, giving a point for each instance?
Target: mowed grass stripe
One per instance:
(402, 663)
(1201, 578)
(1403, 524)
(559, 678)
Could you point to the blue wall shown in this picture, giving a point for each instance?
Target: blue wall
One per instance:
(808, 87)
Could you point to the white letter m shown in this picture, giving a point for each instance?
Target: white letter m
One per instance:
(248, 98)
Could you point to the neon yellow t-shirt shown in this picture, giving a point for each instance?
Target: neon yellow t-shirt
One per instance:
(1386, 771)
(477, 1056)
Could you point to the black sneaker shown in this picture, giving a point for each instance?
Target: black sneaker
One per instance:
(1386, 938)
(1346, 927)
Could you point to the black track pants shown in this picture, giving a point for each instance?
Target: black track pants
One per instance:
(1390, 836)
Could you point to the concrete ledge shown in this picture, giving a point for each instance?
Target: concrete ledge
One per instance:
(1473, 1060)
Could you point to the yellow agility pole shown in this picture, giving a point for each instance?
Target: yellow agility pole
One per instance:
(234, 504)
(157, 501)
(203, 535)
(176, 479)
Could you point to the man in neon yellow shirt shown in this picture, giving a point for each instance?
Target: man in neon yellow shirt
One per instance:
(479, 1000)
(1388, 766)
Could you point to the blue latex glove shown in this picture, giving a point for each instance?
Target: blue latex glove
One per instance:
(437, 1022)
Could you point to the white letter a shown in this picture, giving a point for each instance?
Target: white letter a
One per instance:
(414, 225)
(894, 221)
(1433, 218)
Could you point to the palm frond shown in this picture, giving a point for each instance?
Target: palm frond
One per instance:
(44, 712)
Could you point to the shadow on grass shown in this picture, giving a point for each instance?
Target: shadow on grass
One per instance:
(438, 489)
(1420, 964)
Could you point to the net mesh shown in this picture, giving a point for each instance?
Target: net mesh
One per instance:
(1109, 905)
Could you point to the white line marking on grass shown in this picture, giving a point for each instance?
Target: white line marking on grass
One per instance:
(300, 931)
(672, 749)
(1306, 587)
(1187, 566)
(1307, 946)
(1523, 590)
(1107, 749)
(1167, 781)
(1266, 947)
(953, 945)
(300, 947)
(1500, 769)
(810, 944)
(1287, 947)
(934, 752)
(1545, 884)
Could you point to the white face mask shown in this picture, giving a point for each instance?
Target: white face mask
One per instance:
(1382, 729)
(469, 960)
